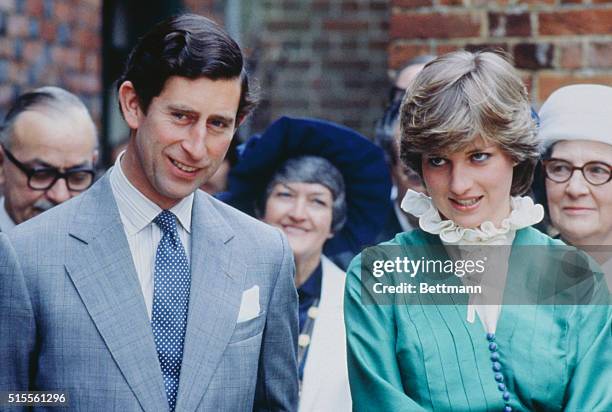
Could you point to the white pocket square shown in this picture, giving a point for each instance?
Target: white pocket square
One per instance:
(249, 306)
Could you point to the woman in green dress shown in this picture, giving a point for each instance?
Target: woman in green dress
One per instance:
(539, 337)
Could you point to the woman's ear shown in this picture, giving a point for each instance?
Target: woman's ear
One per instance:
(130, 104)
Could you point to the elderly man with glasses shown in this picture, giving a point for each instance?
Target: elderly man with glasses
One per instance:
(47, 152)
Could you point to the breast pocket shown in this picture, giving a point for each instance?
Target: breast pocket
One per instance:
(248, 329)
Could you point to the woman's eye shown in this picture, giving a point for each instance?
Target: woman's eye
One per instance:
(319, 202)
(437, 161)
(283, 194)
(480, 157)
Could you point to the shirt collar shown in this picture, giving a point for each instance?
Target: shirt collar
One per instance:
(136, 209)
(6, 222)
(312, 286)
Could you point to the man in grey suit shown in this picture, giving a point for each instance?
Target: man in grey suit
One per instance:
(144, 293)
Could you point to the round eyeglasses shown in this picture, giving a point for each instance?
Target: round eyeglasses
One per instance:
(560, 171)
(77, 179)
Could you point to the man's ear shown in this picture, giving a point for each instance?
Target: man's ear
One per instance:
(130, 105)
(94, 158)
(239, 122)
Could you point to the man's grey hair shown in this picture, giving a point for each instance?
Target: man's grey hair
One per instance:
(48, 98)
(313, 169)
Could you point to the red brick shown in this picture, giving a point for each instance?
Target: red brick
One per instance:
(87, 38)
(571, 1)
(533, 56)
(434, 25)
(17, 73)
(446, 48)
(6, 48)
(48, 30)
(576, 22)
(549, 82)
(18, 26)
(494, 47)
(83, 83)
(378, 45)
(285, 25)
(34, 8)
(501, 25)
(63, 11)
(488, 2)
(32, 50)
(412, 3)
(451, 2)
(536, 2)
(378, 5)
(600, 55)
(400, 54)
(570, 55)
(348, 6)
(345, 25)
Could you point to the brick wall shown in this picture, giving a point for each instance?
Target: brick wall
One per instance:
(51, 42)
(553, 42)
(320, 58)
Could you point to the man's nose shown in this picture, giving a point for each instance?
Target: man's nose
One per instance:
(59, 192)
(195, 144)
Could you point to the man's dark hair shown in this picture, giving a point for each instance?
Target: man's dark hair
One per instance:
(189, 46)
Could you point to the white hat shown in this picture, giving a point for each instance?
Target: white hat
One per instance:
(577, 112)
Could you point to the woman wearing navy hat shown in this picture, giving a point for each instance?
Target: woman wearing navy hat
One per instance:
(326, 188)
(467, 129)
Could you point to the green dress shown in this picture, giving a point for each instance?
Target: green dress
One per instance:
(429, 358)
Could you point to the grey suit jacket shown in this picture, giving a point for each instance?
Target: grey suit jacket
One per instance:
(73, 318)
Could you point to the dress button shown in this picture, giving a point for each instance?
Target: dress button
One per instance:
(506, 396)
(496, 366)
(501, 387)
(495, 356)
(499, 377)
(490, 337)
(493, 346)
(508, 408)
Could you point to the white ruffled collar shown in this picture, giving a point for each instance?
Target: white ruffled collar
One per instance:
(524, 213)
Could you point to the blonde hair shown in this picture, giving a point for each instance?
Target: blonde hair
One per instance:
(461, 96)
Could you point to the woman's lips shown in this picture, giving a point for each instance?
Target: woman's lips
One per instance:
(465, 204)
(577, 210)
(294, 230)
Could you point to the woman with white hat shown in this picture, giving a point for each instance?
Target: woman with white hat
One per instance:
(576, 128)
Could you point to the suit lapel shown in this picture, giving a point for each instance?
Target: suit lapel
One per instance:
(217, 282)
(102, 270)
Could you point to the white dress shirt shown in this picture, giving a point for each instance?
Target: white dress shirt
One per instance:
(137, 213)
(6, 222)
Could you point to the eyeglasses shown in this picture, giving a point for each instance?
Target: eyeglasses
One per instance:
(560, 171)
(77, 180)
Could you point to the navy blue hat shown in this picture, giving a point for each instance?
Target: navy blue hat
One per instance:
(361, 163)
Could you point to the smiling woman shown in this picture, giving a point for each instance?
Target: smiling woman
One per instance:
(467, 129)
(318, 183)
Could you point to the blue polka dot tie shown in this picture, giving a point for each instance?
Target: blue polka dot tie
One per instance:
(172, 281)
